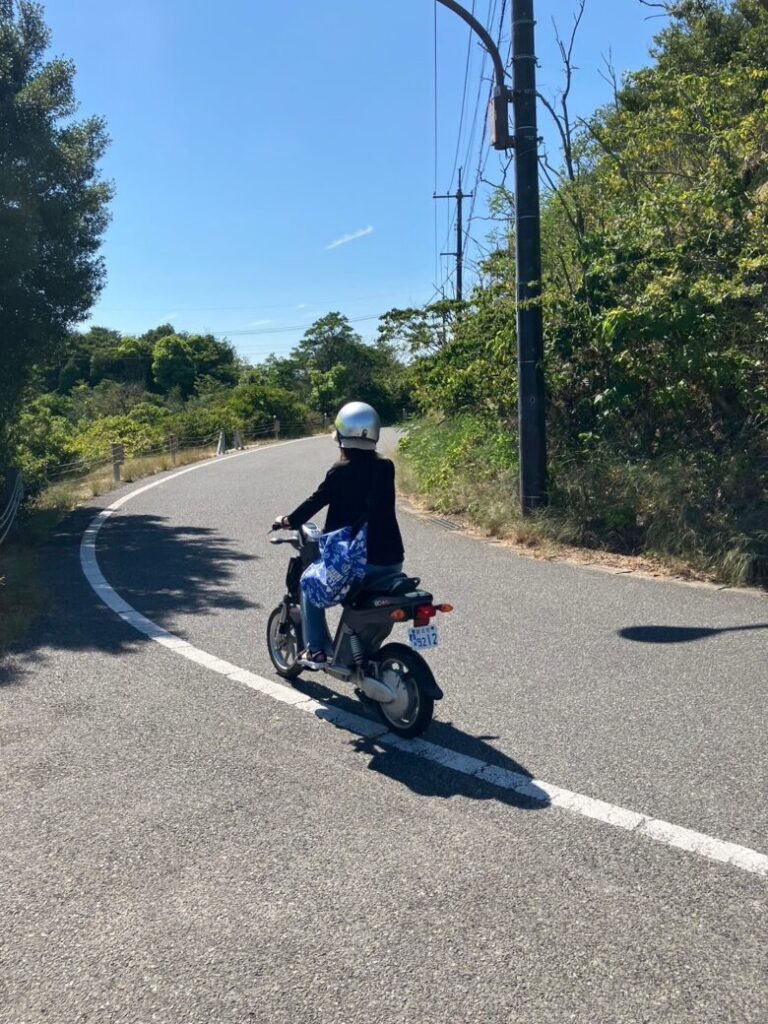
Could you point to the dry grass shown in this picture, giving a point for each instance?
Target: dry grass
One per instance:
(68, 494)
(489, 508)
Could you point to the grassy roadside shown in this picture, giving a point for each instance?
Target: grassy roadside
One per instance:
(22, 596)
(65, 496)
(667, 519)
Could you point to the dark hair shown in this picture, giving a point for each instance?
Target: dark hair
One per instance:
(358, 454)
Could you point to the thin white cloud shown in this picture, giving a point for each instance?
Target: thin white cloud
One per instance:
(170, 317)
(360, 233)
(258, 323)
(302, 305)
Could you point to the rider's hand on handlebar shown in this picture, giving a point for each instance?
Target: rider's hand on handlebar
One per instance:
(280, 523)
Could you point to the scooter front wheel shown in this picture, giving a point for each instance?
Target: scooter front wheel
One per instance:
(406, 672)
(284, 643)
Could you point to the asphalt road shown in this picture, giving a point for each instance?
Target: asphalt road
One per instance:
(175, 847)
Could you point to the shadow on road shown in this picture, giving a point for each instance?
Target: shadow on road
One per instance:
(680, 634)
(428, 778)
(168, 570)
(9, 676)
(162, 570)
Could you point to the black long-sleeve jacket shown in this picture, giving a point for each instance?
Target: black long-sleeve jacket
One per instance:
(355, 491)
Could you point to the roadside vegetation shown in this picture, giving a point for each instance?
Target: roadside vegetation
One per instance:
(655, 296)
(102, 388)
(89, 395)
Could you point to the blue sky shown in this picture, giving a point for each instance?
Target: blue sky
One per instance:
(250, 136)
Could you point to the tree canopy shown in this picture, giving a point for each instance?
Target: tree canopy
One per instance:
(655, 255)
(53, 203)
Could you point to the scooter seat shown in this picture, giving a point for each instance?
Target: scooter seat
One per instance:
(395, 583)
(394, 586)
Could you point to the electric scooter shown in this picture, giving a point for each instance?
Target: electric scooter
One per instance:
(393, 678)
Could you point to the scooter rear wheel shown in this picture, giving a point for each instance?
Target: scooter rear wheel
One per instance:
(407, 672)
(284, 647)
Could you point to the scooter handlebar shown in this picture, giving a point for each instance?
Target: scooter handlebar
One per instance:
(292, 538)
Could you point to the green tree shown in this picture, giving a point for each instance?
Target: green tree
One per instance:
(135, 357)
(424, 330)
(327, 386)
(95, 440)
(213, 358)
(655, 255)
(327, 343)
(333, 366)
(173, 366)
(255, 404)
(53, 204)
(152, 336)
(657, 317)
(71, 373)
(49, 438)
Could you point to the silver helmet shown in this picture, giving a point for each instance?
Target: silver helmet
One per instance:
(357, 426)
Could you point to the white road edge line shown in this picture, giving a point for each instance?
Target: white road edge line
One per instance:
(533, 789)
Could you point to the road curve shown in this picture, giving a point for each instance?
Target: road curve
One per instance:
(220, 857)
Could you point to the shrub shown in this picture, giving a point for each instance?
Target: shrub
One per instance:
(708, 511)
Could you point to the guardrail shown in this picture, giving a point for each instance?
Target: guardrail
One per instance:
(15, 490)
(115, 456)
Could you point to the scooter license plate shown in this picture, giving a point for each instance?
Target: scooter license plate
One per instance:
(423, 637)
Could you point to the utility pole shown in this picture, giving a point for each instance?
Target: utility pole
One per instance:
(530, 335)
(459, 196)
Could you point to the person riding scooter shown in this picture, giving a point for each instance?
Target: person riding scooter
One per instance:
(359, 487)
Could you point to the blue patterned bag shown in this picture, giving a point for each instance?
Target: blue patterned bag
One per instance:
(342, 562)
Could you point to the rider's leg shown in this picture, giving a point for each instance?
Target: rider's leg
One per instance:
(314, 626)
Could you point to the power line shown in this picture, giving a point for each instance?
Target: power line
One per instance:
(353, 320)
(287, 329)
(255, 307)
(482, 156)
(437, 248)
(463, 102)
(491, 13)
(452, 220)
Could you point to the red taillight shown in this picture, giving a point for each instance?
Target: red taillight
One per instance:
(422, 613)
